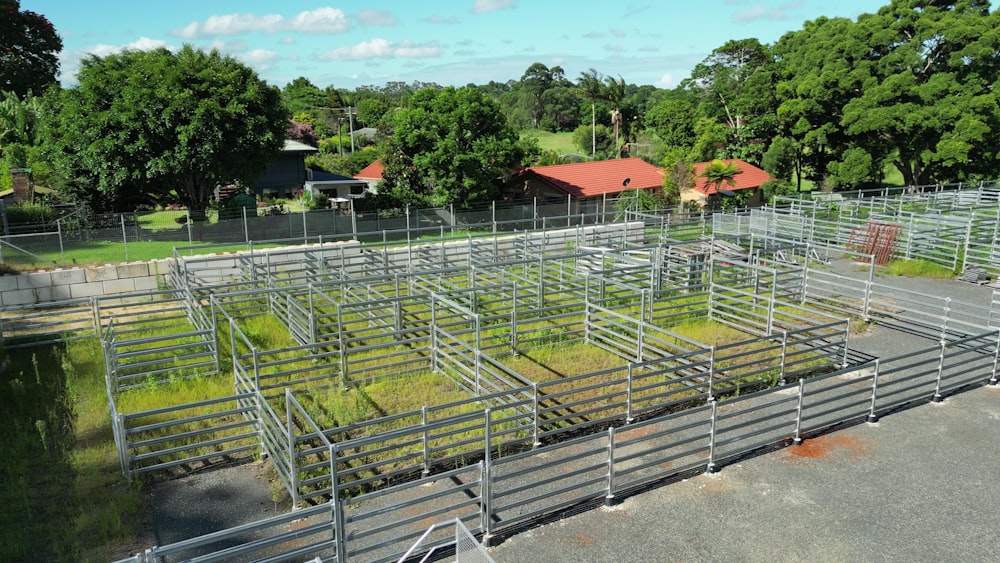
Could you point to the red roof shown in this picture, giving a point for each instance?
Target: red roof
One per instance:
(371, 172)
(589, 179)
(749, 176)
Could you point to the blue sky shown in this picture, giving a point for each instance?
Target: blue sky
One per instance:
(450, 42)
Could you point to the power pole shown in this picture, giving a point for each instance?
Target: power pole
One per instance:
(350, 117)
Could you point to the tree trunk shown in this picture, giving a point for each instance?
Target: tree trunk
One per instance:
(593, 131)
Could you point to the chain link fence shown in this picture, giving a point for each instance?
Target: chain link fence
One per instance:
(78, 237)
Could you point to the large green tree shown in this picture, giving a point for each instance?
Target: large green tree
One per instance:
(29, 50)
(930, 99)
(450, 146)
(672, 118)
(302, 96)
(815, 79)
(734, 84)
(590, 85)
(144, 125)
(914, 85)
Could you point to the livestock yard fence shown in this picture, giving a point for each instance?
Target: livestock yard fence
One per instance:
(59, 240)
(525, 439)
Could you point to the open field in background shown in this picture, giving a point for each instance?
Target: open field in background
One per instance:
(561, 143)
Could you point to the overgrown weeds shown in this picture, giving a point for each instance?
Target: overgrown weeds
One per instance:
(63, 494)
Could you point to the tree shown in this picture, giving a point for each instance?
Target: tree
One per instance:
(589, 84)
(678, 175)
(144, 125)
(18, 119)
(784, 159)
(302, 96)
(914, 85)
(815, 79)
(719, 173)
(29, 50)
(672, 118)
(614, 93)
(535, 81)
(450, 146)
(599, 138)
(18, 134)
(710, 140)
(930, 101)
(734, 83)
(301, 132)
(371, 110)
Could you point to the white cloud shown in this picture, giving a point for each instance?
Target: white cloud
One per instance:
(382, 49)
(140, 44)
(318, 21)
(484, 6)
(376, 18)
(258, 56)
(666, 80)
(229, 24)
(287, 40)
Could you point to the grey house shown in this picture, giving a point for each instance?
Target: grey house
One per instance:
(286, 173)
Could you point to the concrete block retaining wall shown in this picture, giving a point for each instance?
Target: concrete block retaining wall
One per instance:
(87, 281)
(110, 279)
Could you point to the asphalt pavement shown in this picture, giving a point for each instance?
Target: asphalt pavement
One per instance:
(919, 485)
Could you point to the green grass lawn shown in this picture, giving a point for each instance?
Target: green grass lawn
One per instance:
(561, 143)
(83, 253)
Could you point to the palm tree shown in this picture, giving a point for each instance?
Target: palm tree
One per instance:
(718, 173)
(614, 94)
(18, 119)
(590, 84)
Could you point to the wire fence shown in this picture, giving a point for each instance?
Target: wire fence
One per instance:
(540, 448)
(79, 238)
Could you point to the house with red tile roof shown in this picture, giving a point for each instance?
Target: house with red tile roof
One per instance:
(748, 177)
(586, 180)
(371, 174)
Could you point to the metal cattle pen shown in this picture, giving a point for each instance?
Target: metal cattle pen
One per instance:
(673, 406)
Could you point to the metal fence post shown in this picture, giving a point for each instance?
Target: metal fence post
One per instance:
(293, 476)
(947, 316)
(937, 398)
(628, 396)
(487, 513)
(640, 337)
(124, 236)
(711, 373)
(609, 498)
(434, 336)
(996, 358)
(246, 226)
(338, 507)
(62, 254)
(797, 439)
(710, 467)
(784, 352)
(423, 423)
(872, 417)
(868, 289)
